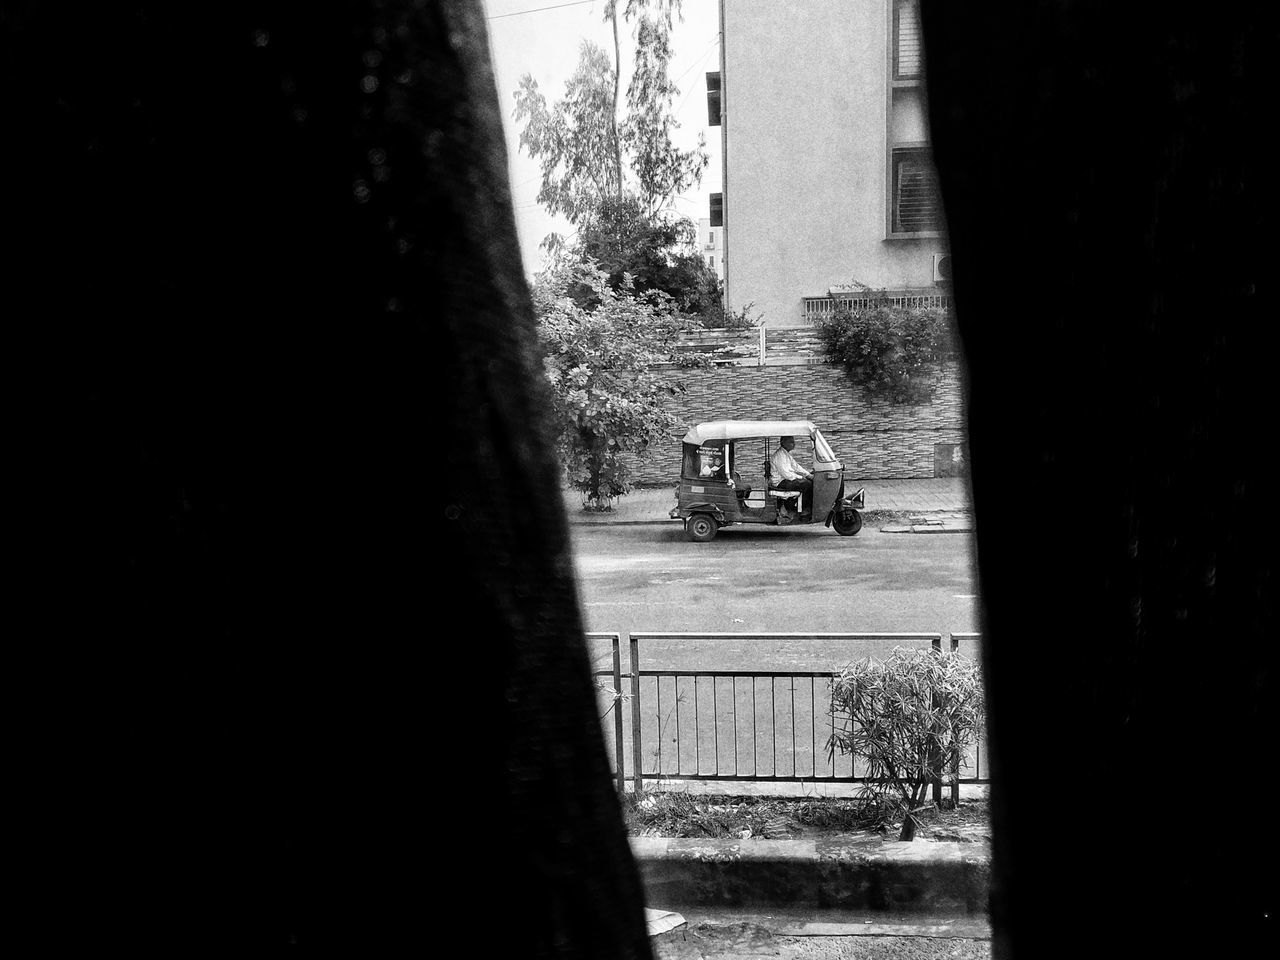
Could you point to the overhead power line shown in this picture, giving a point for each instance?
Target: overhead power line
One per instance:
(520, 13)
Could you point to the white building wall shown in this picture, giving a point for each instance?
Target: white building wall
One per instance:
(711, 246)
(806, 138)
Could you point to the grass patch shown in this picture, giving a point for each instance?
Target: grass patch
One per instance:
(673, 814)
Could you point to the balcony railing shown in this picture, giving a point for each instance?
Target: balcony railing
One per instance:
(815, 307)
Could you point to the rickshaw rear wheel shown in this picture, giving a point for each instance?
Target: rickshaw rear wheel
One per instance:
(847, 522)
(700, 527)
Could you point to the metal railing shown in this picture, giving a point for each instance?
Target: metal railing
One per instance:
(716, 725)
(815, 307)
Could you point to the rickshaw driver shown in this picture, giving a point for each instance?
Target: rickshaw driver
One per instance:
(789, 475)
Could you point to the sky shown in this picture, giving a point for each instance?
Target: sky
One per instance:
(541, 37)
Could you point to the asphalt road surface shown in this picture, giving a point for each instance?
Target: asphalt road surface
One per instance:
(649, 578)
(638, 579)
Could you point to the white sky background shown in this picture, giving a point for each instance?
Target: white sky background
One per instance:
(545, 43)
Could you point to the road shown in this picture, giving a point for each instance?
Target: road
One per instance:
(650, 579)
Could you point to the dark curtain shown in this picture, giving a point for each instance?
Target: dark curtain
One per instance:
(1106, 188)
(308, 670)
(303, 667)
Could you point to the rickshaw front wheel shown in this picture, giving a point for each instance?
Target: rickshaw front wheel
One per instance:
(847, 522)
(700, 528)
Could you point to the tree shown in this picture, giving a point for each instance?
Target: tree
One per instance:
(588, 152)
(597, 361)
(657, 251)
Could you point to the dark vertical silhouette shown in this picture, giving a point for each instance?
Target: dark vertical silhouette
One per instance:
(1103, 172)
(263, 268)
(309, 671)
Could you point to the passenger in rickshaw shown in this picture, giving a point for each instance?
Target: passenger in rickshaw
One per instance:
(785, 473)
(714, 467)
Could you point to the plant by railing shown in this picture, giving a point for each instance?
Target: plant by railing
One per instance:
(758, 725)
(908, 717)
(744, 319)
(893, 350)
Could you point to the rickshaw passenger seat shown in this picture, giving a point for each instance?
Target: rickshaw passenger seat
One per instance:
(777, 494)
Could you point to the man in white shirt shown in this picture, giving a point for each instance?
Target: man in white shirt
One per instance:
(787, 474)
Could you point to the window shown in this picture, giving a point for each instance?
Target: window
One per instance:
(717, 209)
(711, 262)
(917, 202)
(713, 99)
(907, 51)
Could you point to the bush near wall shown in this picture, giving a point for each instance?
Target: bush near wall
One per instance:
(876, 439)
(895, 351)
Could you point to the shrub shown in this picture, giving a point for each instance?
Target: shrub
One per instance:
(895, 352)
(606, 401)
(908, 718)
(741, 319)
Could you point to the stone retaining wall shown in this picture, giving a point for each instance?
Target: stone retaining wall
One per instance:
(875, 439)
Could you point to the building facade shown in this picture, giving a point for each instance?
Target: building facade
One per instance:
(711, 246)
(828, 176)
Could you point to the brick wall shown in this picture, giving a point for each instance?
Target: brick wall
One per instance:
(876, 440)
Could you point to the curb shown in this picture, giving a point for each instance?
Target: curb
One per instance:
(617, 523)
(919, 528)
(920, 877)
(926, 528)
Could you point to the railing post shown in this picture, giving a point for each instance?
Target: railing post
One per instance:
(760, 358)
(617, 713)
(935, 762)
(955, 778)
(637, 755)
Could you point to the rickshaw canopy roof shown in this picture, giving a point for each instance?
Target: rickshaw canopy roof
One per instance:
(739, 429)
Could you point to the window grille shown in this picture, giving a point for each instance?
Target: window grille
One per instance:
(907, 51)
(917, 201)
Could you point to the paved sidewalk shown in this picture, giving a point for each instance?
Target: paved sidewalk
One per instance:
(934, 505)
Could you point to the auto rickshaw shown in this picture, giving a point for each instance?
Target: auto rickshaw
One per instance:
(726, 477)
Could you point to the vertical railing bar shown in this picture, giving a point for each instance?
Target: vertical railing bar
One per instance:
(813, 724)
(735, 725)
(715, 723)
(617, 712)
(697, 731)
(637, 755)
(755, 749)
(773, 721)
(657, 686)
(833, 753)
(955, 778)
(792, 681)
(676, 695)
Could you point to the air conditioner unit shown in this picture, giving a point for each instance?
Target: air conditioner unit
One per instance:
(942, 268)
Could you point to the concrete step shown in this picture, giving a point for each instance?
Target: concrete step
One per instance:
(921, 877)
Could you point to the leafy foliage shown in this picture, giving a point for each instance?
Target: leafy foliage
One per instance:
(597, 360)
(744, 319)
(908, 718)
(587, 151)
(670, 813)
(613, 173)
(658, 252)
(574, 138)
(895, 352)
